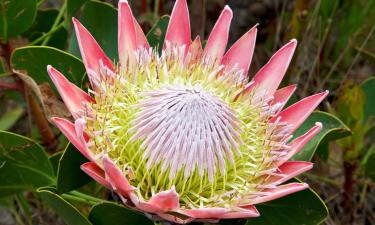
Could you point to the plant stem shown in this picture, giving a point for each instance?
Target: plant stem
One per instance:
(18, 218)
(82, 198)
(4, 21)
(85, 196)
(48, 34)
(318, 58)
(25, 207)
(369, 35)
(297, 23)
(41, 2)
(56, 23)
(356, 57)
(322, 179)
(16, 215)
(348, 200)
(363, 193)
(156, 9)
(5, 74)
(78, 199)
(48, 137)
(365, 52)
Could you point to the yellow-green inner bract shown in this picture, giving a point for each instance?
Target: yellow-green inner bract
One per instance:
(112, 118)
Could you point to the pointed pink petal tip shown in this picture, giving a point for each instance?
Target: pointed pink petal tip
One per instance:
(130, 33)
(242, 51)
(319, 125)
(270, 75)
(228, 10)
(288, 170)
(75, 20)
(92, 54)
(280, 191)
(127, 37)
(295, 168)
(74, 98)
(299, 142)
(218, 39)
(69, 130)
(178, 31)
(90, 50)
(298, 112)
(197, 42)
(282, 95)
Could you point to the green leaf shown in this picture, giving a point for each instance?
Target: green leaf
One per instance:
(333, 129)
(323, 151)
(156, 35)
(55, 159)
(293, 99)
(6, 202)
(69, 175)
(104, 30)
(370, 167)
(4, 70)
(327, 8)
(350, 104)
(73, 6)
(8, 119)
(24, 165)
(368, 88)
(34, 61)
(301, 208)
(69, 214)
(114, 214)
(368, 163)
(16, 17)
(59, 38)
(355, 17)
(43, 24)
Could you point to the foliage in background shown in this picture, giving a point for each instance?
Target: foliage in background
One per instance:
(40, 171)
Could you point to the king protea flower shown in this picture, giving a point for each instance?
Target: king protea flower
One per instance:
(184, 136)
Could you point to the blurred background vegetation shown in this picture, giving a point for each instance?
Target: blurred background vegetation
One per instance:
(336, 52)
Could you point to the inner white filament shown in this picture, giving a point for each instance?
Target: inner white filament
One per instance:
(186, 128)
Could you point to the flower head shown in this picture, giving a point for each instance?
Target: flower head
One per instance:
(184, 135)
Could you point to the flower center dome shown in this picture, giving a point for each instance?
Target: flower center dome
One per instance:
(186, 128)
(173, 124)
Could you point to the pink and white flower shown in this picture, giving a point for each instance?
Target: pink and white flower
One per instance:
(184, 136)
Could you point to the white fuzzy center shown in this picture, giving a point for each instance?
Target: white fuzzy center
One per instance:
(186, 128)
